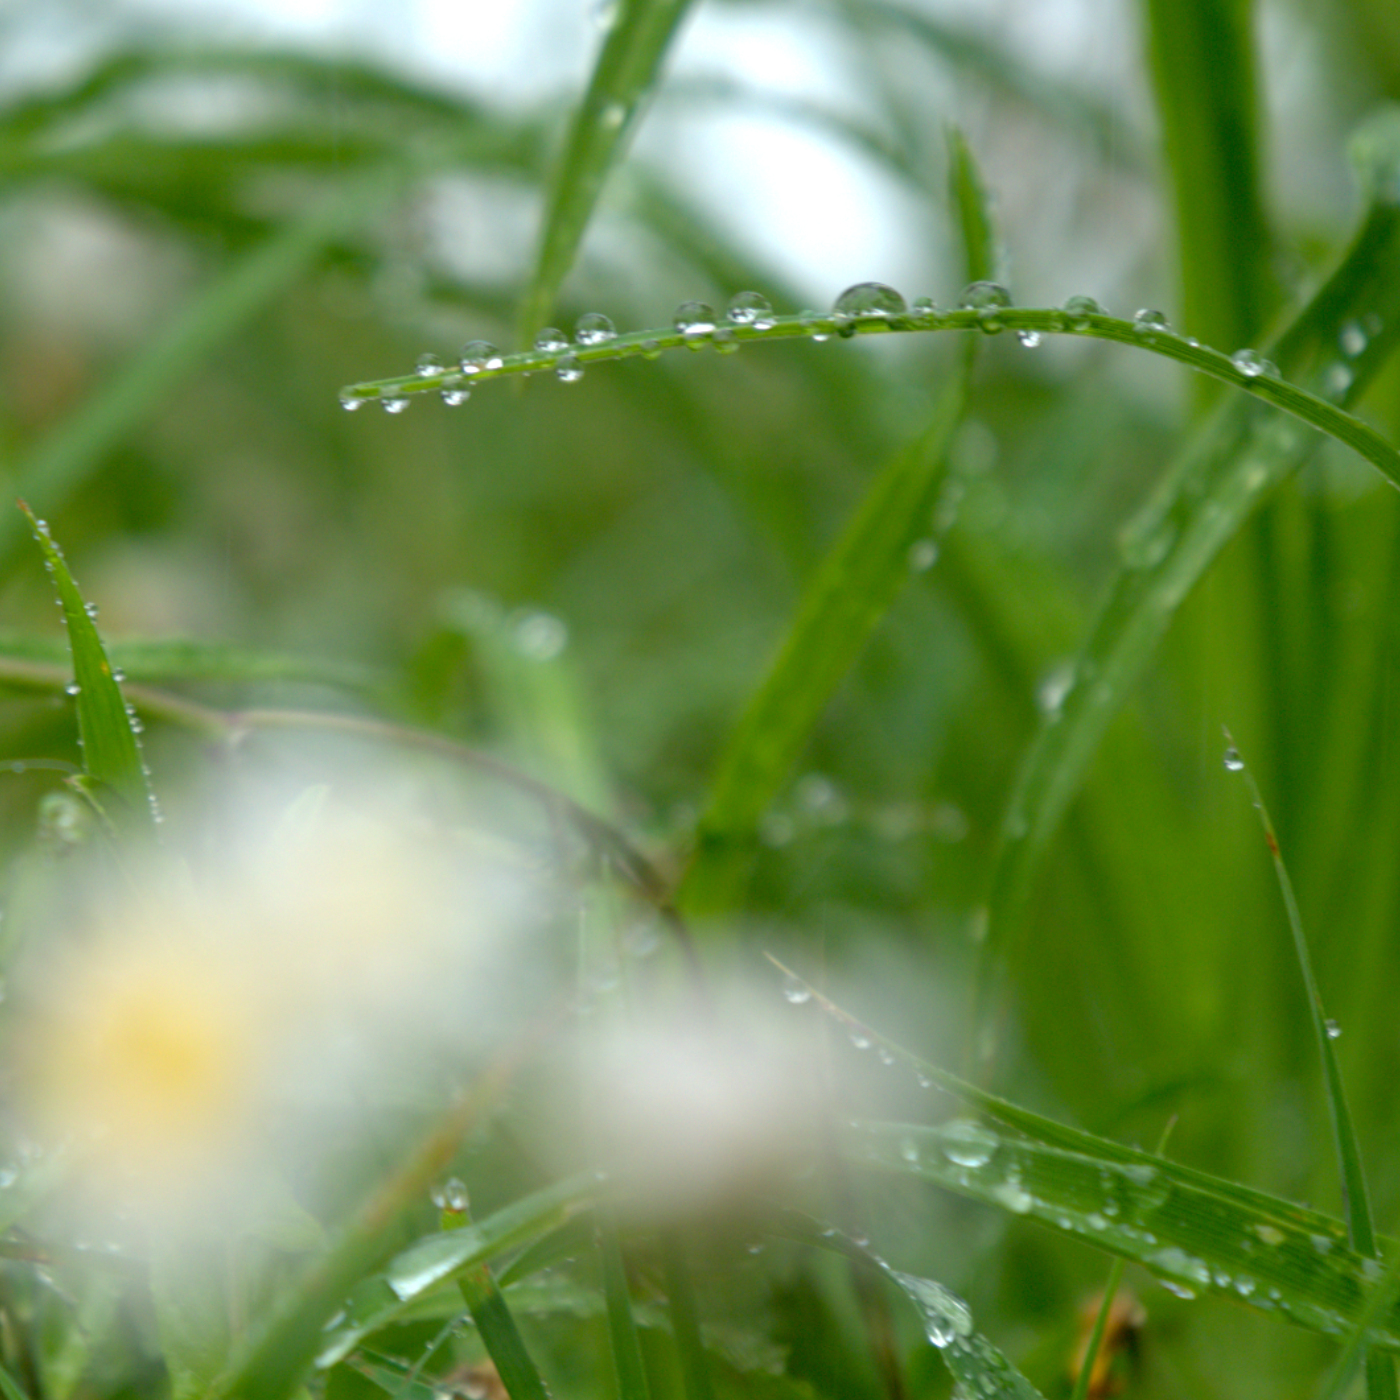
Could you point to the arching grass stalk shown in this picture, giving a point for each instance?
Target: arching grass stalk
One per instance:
(985, 307)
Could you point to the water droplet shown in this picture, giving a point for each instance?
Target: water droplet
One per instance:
(429, 365)
(968, 1144)
(568, 369)
(795, 990)
(987, 299)
(455, 392)
(1337, 379)
(605, 14)
(1233, 761)
(1180, 1289)
(1334, 1031)
(1013, 1196)
(1054, 688)
(870, 301)
(91, 610)
(540, 636)
(859, 1039)
(613, 115)
(1251, 364)
(1244, 1285)
(551, 341)
(1321, 1243)
(1269, 1234)
(593, 328)
(1078, 310)
(1030, 339)
(946, 1317)
(694, 319)
(1149, 321)
(924, 306)
(909, 1150)
(923, 1081)
(350, 402)
(451, 1195)
(750, 309)
(394, 405)
(884, 1055)
(725, 341)
(923, 555)
(649, 350)
(1353, 339)
(118, 674)
(478, 355)
(72, 688)
(813, 320)
(821, 799)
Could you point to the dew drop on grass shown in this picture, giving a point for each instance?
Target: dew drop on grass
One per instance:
(987, 299)
(1150, 321)
(72, 688)
(1233, 761)
(1321, 1243)
(1013, 1196)
(478, 355)
(455, 393)
(870, 301)
(924, 306)
(1269, 1234)
(946, 1317)
(1078, 309)
(1352, 338)
(795, 990)
(1180, 1289)
(395, 405)
(540, 636)
(1334, 1031)
(1030, 339)
(909, 1150)
(350, 402)
(750, 309)
(118, 674)
(968, 1144)
(568, 369)
(694, 319)
(91, 610)
(593, 328)
(859, 1038)
(551, 341)
(650, 350)
(1337, 379)
(884, 1055)
(724, 340)
(429, 365)
(451, 1195)
(923, 1081)
(1252, 364)
(923, 555)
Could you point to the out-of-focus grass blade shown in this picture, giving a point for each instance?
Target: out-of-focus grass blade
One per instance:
(440, 1259)
(851, 591)
(492, 1316)
(1202, 63)
(622, 1324)
(1197, 1240)
(946, 1319)
(1380, 1371)
(1234, 460)
(111, 751)
(685, 1317)
(9, 1387)
(627, 69)
(58, 464)
(1381, 1303)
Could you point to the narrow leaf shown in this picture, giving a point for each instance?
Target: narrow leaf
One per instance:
(627, 69)
(685, 1318)
(622, 1323)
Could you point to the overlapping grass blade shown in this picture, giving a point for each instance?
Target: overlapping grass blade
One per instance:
(1234, 460)
(1380, 1372)
(112, 762)
(622, 1322)
(627, 69)
(685, 1317)
(73, 450)
(1209, 135)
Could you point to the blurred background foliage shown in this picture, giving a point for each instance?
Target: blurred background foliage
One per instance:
(208, 223)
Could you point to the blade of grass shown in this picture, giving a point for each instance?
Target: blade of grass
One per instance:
(493, 1319)
(1095, 1343)
(112, 761)
(1381, 1303)
(53, 469)
(9, 1387)
(627, 69)
(685, 1317)
(622, 1324)
(1380, 1371)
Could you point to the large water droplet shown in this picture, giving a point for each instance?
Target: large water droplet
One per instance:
(72, 688)
(455, 392)
(451, 1195)
(750, 309)
(1078, 309)
(593, 328)
(870, 301)
(350, 402)
(394, 405)
(1333, 1030)
(968, 1144)
(1013, 1196)
(694, 318)
(567, 368)
(987, 299)
(795, 990)
(1030, 339)
(540, 636)
(1352, 338)
(429, 365)
(1150, 321)
(551, 340)
(1251, 364)
(91, 610)
(1233, 761)
(478, 355)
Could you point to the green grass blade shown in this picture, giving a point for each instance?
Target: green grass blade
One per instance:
(51, 471)
(1380, 1372)
(434, 1264)
(1091, 1351)
(1381, 1303)
(622, 1323)
(1208, 123)
(968, 196)
(685, 1318)
(946, 1319)
(111, 751)
(9, 1387)
(627, 69)
(493, 1319)
(849, 594)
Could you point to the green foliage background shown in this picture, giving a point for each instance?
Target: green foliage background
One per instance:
(185, 296)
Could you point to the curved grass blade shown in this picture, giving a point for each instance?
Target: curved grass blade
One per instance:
(489, 1311)
(627, 69)
(112, 762)
(946, 1319)
(49, 473)
(435, 1263)
(1380, 1372)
